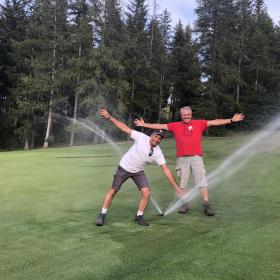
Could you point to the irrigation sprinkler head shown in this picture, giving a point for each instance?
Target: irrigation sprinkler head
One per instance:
(161, 214)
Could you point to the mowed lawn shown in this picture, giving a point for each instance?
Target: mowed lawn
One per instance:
(49, 200)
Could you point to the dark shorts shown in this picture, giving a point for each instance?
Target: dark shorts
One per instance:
(122, 175)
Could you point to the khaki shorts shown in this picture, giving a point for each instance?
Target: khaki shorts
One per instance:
(194, 164)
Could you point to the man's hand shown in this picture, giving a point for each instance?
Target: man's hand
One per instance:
(237, 117)
(140, 122)
(179, 191)
(104, 113)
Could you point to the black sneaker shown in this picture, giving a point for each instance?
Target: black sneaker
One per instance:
(184, 208)
(100, 219)
(208, 211)
(140, 221)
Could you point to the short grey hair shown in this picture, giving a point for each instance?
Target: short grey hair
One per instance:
(187, 108)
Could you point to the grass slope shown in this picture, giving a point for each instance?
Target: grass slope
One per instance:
(50, 199)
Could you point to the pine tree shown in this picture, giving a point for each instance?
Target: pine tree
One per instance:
(165, 57)
(158, 82)
(261, 71)
(48, 38)
(185, 70)
(15, 18)
(215, 28)
(137, 58)
(243, 30)
(81, 45)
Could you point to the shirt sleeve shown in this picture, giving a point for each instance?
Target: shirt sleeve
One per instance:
(204, 125)
(136, 135)
(160, 160)
(170, 126)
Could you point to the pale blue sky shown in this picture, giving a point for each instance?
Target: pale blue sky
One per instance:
(184, 9)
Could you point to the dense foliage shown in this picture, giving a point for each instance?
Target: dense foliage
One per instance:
(70, 58)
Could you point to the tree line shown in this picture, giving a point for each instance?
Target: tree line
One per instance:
(70, 58)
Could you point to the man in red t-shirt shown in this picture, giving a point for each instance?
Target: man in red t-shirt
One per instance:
(188, 136)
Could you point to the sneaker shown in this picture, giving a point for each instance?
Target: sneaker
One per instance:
(184, 208)
(100, 219)
(140, 221)
(208, 211)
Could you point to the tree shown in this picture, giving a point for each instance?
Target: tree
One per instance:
(81, 40)
(48, 38)
(165, 56)
(14, 21)
(185, 71)
(137, 58)
(262, 70)
(241, 42)
(215, 28)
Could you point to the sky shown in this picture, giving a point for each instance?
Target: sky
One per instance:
(184, 9)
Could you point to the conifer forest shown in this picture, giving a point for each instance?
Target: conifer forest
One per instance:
(62, 60)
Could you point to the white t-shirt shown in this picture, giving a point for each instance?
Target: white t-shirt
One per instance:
(138, 155)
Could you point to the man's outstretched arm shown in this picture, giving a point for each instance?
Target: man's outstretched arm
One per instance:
(167, 172)
(236, 118)
(141, 122)
(104, 113)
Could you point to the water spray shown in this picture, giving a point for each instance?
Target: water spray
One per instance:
(229, 166)
(93, 127)
(156, 206)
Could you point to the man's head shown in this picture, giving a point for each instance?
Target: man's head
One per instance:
(156, 137)
(186, 114)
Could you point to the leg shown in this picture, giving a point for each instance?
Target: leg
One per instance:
(120, 177)
(145, 196)
(108, 198)
(199, 175)
(142, 183)
(183, 172)
(106, 204)
(204, 193)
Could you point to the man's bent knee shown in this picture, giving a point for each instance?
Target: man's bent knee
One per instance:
(145, 191)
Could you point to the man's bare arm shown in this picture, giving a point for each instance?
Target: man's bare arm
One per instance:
(167, 172)
(141, 122)
(236, 118)
(104, 113)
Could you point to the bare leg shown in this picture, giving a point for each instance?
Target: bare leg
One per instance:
(106, 204)
(145, 196)
(204, 193)
(108, 198)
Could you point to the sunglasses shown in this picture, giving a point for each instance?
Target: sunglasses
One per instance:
(151, 152)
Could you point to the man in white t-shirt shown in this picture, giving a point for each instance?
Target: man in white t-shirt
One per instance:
(144, 150)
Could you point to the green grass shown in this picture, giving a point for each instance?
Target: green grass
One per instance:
(50, 199)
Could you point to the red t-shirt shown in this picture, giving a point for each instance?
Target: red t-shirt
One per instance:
(188, 137)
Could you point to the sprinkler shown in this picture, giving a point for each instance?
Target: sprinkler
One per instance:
(161, 214)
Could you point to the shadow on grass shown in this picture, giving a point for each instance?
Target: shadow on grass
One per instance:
(93, 156)
(105, 165)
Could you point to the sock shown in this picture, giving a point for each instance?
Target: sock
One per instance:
(104, 210)
(140, 213)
